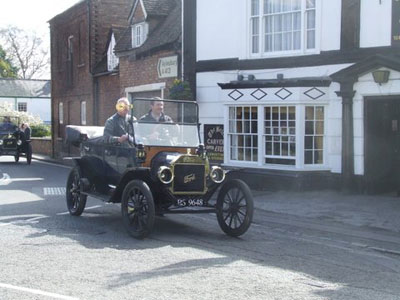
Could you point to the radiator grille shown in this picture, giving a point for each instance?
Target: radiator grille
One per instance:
(189, 178)
(9, 144)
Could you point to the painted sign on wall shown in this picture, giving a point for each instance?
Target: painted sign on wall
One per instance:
(167, 67)
(214, 142)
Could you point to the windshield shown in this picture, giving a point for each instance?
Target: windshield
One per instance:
(8, 124)
(165, 122)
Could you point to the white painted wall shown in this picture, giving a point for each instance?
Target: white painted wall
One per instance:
(36, 106)
(223, 28)
(375, 23)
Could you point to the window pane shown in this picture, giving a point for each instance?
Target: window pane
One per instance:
(292, 149)
(318, 143)
(310, 127)
(254, 127)
(310, 39)
(296, 21)
(310, 113)
(296, 4)
(276, 5)
(308, 159)
(287, 41)
(277, 19)
(310, 3)
(308, 142)
(319, 127)
(311, 19)
(319, 113)
(296, 40)
(287, 22)
(292, 113)
(318, 159)
(255, 7)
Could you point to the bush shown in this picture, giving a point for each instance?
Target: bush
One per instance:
(40, 130)
(180, 90)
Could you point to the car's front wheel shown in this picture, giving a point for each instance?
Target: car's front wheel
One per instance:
(137, 208)
(76, 201)
(235, 207)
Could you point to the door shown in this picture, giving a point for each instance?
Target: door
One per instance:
(382, 144)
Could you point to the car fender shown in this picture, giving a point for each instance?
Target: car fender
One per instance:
(130, 174)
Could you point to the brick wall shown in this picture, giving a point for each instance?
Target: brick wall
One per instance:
(41, 146)
(143, 71)
(109, 92)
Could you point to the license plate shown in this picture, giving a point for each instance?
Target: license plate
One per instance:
(190, 202)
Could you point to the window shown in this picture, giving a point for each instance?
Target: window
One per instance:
(280, 135)
(314, 135)
(22, 106)
(243, 133)
(139, 34)
(83, 112)
(70, 61)
(61, 113)
(282, 26)
(112, 59)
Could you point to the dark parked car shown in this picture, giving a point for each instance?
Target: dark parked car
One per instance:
(13, 141)
(161, 169)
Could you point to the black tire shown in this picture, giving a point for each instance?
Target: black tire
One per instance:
(28, 154)
(76, 201)
(235, 207)
(16, 157)
(137, 208)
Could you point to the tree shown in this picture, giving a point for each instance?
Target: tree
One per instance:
(26, 51)
(7, 70)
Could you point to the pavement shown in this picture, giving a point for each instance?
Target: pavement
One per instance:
(373, 211)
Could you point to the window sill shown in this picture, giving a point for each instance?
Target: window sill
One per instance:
(283, 54)
(81, 65)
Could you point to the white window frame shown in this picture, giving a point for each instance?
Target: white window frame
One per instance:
(83, 112)
(61, 113)
(112, 59)
(24, 105)
(303, 38)
(139, 34)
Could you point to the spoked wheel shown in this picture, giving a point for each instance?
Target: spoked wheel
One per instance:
(16, 157)
(235, 208)
(137, 208)
(76, 201)
(29, 154)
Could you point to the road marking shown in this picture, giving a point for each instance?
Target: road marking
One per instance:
(54, 191)
(5, 179)
(37, 292)
(27, 221)
(86, 208)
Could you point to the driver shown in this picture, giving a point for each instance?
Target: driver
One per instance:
(117, 127)
(7, 125)
(156, 112)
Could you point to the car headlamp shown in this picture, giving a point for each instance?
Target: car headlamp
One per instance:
(217, 174)
(19, 142)
(165, 175)
(1, 142)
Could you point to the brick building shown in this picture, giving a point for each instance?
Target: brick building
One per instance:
(149, 51)
(79, 36)
(104, 49)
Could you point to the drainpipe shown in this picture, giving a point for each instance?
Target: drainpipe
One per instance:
(347, 94)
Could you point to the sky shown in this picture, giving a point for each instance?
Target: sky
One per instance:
(33, 15)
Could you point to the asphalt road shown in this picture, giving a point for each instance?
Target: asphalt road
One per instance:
(47, 254)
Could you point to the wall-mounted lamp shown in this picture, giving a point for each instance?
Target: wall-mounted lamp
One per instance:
(381, 76)
(250, 77)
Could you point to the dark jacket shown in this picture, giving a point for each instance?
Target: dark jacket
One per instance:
(115, 127)
(163, 119)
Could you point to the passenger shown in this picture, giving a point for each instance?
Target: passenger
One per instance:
(26, 130)
(117, 128)
(156, 113)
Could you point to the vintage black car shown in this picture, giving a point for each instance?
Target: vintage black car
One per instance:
(161, 169)
(13, 141)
